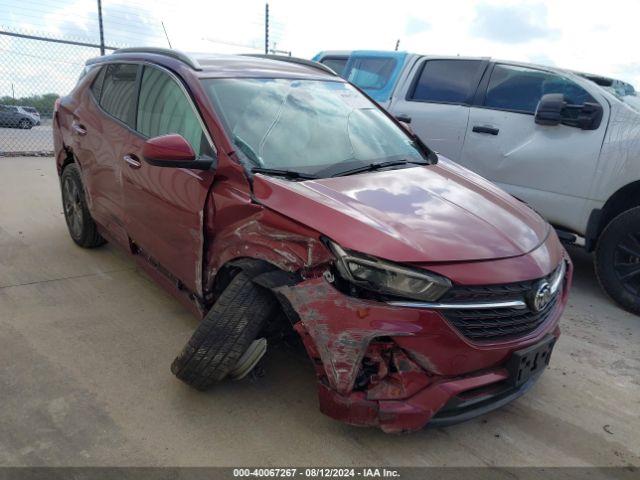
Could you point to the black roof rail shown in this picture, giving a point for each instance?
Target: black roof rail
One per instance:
(296, 60)
(167, 52)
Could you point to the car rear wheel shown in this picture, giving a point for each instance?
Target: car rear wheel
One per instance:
(225, 334)
(617, 260)
(82, 228)
(25, 124)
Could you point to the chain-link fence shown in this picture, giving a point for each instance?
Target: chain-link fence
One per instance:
(34, 72)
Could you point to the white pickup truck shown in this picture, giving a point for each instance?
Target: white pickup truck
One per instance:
(551, 137)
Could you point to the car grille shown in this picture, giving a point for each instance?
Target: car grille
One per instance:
(486, 324)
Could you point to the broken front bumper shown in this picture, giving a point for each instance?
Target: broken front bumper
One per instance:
(401, 368)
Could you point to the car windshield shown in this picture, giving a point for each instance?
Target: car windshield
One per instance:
(315, 127)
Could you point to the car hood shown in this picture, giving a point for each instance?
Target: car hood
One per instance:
(436, 213)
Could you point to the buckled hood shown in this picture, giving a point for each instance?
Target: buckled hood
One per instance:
(435, 213)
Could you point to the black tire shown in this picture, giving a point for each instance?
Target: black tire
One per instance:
(225, 333)
(617, 260)
(25, 124)
(82, 228)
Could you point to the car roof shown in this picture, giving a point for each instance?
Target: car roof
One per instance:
(209, 65)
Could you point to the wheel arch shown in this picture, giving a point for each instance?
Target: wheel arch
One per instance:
(623, 199)
(65, 157)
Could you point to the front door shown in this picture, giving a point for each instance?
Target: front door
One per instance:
(549, 167)
(164, 206)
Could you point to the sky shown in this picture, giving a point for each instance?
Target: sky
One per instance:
(596, 37)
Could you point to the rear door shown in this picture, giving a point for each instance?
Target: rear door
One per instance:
(436, 96)
(164, 206)
(101, 124)
(549, 167)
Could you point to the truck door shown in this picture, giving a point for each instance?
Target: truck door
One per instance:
(435, 97)
(549, 167)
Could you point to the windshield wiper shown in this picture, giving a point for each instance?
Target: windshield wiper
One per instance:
(284, 173)
(377, 166)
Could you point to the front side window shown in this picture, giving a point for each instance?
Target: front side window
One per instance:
(118, 96)
(520, 89)
(336, 64)
(316, 127)
(446, 81)
(163, 108)
(371, 73)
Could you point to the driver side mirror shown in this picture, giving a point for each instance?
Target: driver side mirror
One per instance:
(173, 151)
(553, 109)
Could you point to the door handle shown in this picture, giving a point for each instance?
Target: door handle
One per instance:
(489, 130)
(79, 129)
(132, 161)
(403, 118)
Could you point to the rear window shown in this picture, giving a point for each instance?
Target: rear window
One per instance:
(96, 86)
(371, 73)
(118, 92)
(446, 81)
(336, 64)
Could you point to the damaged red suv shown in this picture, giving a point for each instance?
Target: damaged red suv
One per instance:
(273, 198)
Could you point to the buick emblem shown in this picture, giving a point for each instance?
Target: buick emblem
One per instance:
(540, 297)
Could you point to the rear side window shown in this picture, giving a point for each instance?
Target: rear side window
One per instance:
(446, 81)
(96, 86)
(371, 73)
(118, 96)
(336, 64)
(164, 108)
(519, 89)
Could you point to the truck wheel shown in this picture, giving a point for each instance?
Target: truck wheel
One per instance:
(225, 333)
(25, 124)
(82, 228)
(617, 260)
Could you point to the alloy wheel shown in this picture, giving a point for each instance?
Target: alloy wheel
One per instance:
(72, 207)
(627, 262)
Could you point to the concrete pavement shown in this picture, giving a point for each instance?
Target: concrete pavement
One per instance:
(86, 341)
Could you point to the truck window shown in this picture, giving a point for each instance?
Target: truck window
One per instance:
(519, 89)
(336, 64)
(371, 73)
(446, 81)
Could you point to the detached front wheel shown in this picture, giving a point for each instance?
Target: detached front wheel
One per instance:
(226, 333)
(617, 260)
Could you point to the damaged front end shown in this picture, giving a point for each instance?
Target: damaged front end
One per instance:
(402, 365)
(395, 344)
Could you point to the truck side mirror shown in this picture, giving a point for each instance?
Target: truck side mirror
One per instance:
(549, 110)
(553, 109)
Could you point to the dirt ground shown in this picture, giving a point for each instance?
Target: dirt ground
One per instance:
(86, 341)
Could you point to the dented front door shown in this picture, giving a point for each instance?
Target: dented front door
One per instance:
(164, 206)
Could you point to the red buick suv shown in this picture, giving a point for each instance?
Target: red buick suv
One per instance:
(276, 200)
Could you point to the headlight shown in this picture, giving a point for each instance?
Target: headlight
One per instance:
(389, 278)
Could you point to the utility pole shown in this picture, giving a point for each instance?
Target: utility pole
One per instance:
(13, 92)
(266, 28)
(397, 44)
(100, 26)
